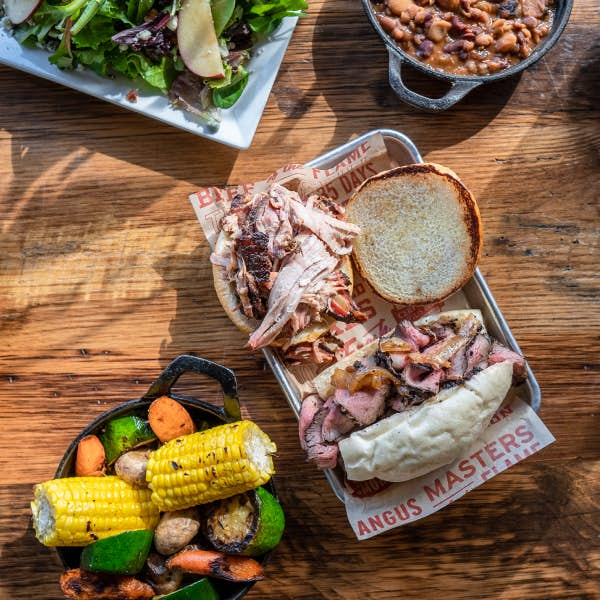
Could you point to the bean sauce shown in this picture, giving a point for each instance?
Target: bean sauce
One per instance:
(466, 37)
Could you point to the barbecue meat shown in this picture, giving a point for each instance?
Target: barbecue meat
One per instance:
(336, 424)
(337, 234)
(500, 353)
(422, 361)
(364, 406)
(300, 274)
(312, 416)
(284, 257)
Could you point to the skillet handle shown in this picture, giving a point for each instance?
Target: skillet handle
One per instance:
(458, 90)
(193, 364)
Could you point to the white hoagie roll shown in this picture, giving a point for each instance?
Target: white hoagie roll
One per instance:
(415, 442)
(411, 443)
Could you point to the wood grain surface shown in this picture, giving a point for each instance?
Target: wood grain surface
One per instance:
(104, 278)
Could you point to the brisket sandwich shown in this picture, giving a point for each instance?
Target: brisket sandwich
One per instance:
(282, 271)
(411, 401)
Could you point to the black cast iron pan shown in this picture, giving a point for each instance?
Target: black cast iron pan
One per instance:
(461, 84)
(199, 410)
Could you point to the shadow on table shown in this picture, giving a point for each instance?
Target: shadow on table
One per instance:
(350, 64)
(199, 325)
(544, 184)
(510, 529)
(68, 128)
(28, 569)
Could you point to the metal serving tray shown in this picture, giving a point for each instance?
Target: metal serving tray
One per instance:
(476, 292)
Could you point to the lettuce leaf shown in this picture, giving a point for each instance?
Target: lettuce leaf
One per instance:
(227, 96)
(263, 16)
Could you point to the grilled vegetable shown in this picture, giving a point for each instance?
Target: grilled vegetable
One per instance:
(210, 465)
(123, 434)
(81, 585)
(163, 580)
(217, 564)
(76, 511)
(124, 553)
(90, 460)
(175, 530)
(131, 467)
(248, 524)
(199, 590)
(169, 419)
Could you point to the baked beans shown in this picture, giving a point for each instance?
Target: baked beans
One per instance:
(466, 37)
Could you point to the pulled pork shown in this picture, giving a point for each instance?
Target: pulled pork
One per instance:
(284, 258)
(409, 366)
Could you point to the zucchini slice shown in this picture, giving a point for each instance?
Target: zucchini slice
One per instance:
(124, 553)
(250, 524)
(123, 434)
(199, 590)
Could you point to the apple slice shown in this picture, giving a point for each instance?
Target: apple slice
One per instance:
(197, 41)
(18, 11)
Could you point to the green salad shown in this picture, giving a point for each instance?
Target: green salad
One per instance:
(195, 51)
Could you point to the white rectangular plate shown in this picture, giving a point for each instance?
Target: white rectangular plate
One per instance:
(238, 124)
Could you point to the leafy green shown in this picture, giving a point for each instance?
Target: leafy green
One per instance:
(227, 96)
(265, 16)
(137, 10)
(95, 34)
(222, 10)
(80, 32)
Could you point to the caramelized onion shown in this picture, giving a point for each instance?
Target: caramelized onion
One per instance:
(394, 344)
(373, 377)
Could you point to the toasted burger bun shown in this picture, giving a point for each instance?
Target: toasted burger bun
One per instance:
(229, 300)
(414, 442)
(421, 233)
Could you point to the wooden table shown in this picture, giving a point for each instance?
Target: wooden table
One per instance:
(105, 278)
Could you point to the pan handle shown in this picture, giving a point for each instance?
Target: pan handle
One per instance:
(458, 90)
(193, 364)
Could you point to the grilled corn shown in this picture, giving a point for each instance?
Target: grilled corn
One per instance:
(76, 511)
(210, 465)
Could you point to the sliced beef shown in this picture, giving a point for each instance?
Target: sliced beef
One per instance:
(458, 366)
(364, 406)
(404, 397)
(399, 360)
(477, 353)
(500, 353)
(409, 333)
(310, 406)
(301, 271)
(312, 415)
(438, 331)
(423, 378)
(336, 424)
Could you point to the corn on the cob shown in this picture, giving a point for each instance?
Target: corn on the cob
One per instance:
(75, 511)
(210, 465)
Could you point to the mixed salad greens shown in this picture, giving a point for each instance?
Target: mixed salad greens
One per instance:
(196, 51)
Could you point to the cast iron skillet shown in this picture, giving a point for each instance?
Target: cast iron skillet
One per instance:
(461, 84)
(198, 409)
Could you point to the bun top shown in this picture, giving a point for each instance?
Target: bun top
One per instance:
(421, 233)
